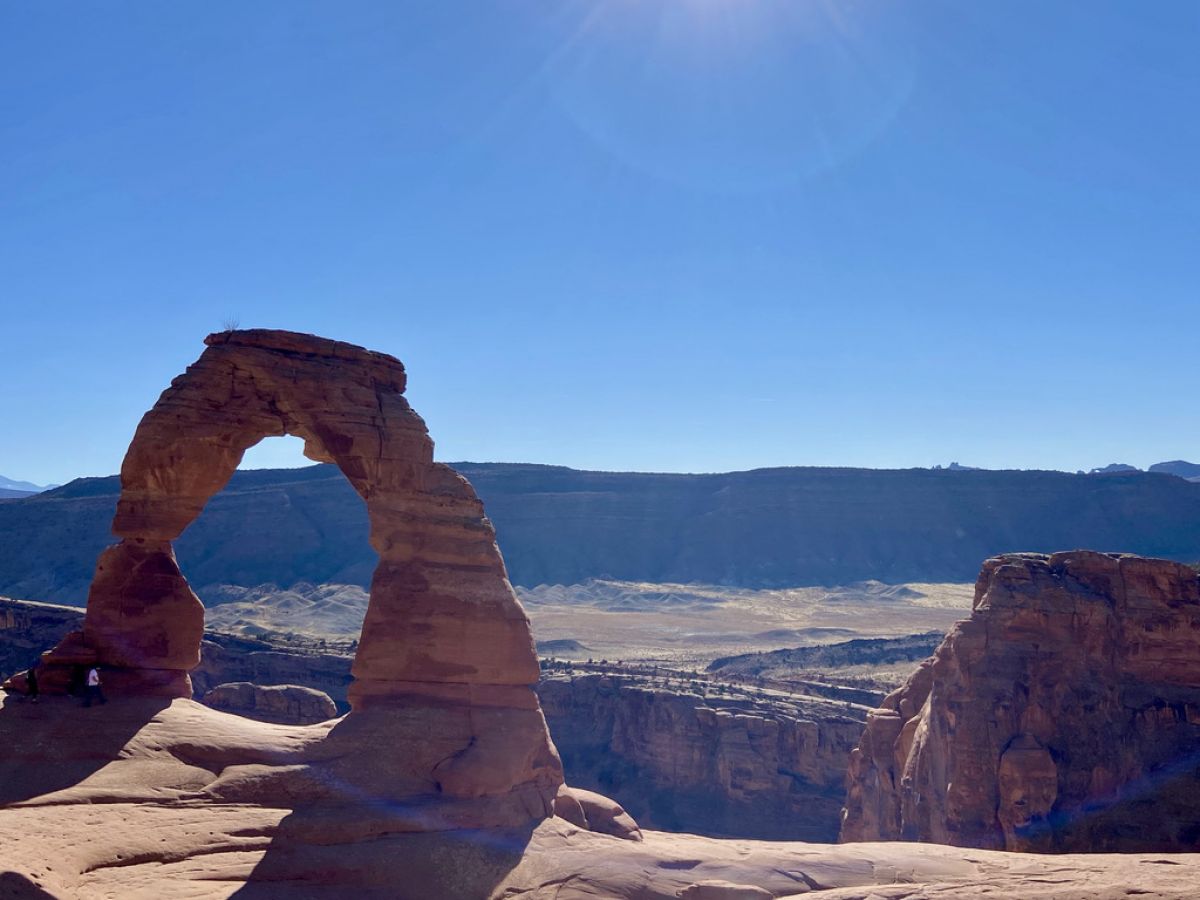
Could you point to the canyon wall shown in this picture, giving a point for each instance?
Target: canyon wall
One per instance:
(1063, 715)
(28, 629)
(696, 757)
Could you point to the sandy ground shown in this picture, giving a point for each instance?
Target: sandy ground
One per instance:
(678, 625)
(687, 626)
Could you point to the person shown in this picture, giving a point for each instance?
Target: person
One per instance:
(31, 684)
(94, 692)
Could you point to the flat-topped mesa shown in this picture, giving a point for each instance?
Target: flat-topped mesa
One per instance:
(1063, 715)
(444, 636)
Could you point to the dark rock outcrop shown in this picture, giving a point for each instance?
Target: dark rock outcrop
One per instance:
(1063, 715)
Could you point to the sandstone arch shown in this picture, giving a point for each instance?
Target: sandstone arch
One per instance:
(446, 649)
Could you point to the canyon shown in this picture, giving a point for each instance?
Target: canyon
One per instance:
(679, 750)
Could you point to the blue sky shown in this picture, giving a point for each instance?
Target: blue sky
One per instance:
(673, 235)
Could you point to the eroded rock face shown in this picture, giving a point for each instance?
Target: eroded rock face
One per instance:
(1063, 715)
(446, 658)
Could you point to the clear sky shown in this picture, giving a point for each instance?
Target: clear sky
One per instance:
(672, 235)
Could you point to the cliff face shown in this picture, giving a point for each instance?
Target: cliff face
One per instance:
(1063, 715)
(28, 629)
(765, 528)
(726, 765)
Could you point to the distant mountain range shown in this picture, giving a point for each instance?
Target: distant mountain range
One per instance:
(763, 528)
(11, 488)
(1177, 467)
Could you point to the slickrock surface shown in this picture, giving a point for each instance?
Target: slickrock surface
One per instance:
(149, 798)
(1063, 715)
(443, 699)
(283, 704)
(705, 759)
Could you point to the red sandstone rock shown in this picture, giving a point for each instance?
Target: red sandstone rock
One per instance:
(1063, 715)
(603, 815)
(443, 699)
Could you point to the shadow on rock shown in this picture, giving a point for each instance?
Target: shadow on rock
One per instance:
(316, 855)
(18, 887)
(57, 743)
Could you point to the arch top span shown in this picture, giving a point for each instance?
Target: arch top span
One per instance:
(346, 403)
(443, 628)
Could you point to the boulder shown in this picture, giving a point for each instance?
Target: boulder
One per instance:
(603, 815)
(286, 704)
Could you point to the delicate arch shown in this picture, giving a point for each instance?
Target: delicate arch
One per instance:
(443, 630)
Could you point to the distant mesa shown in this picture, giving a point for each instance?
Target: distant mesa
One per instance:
(1114, 469)
(767, 528)
(1179, 468)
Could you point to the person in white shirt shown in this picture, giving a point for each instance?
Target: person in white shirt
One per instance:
(94, 692)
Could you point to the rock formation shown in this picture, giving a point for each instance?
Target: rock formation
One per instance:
(284, 704)
(446, 661)
(1063, 715)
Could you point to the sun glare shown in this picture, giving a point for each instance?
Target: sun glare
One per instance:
(733, 95)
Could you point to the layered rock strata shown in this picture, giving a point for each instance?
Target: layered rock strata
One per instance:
(442, 695)
(1064, 714)
(705, 759)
